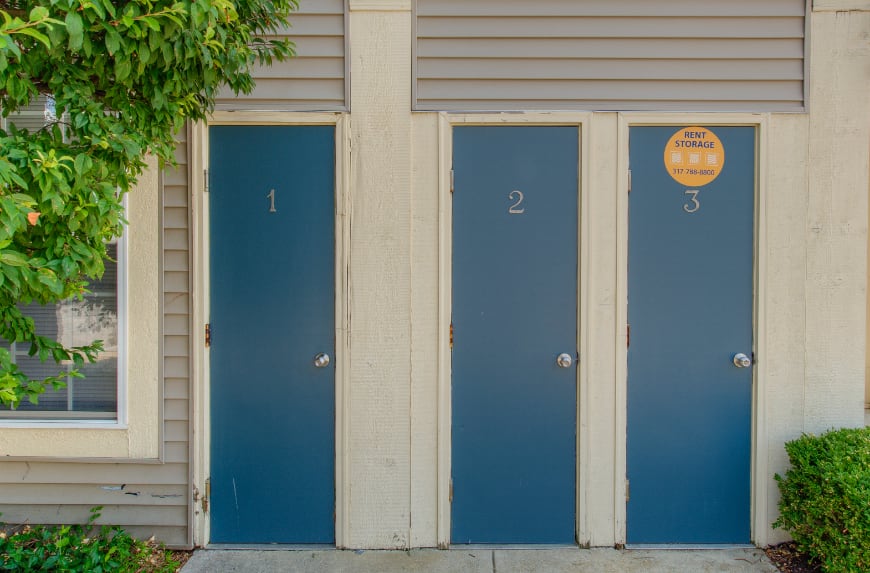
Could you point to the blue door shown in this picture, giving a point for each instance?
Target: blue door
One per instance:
(271, 207)
(690, 284)
(514, 313)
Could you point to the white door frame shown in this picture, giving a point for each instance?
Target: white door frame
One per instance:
(200, 439)
(445, 303)
(759, 447)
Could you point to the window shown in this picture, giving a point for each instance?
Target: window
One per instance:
(74, 323)
(114, 413)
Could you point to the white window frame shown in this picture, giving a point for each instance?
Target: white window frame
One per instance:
(80, 419)
(137, 432)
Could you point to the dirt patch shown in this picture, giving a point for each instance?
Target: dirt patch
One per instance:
(788, 560)
(180, 556)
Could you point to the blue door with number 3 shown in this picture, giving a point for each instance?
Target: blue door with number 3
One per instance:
(690, 308)
(514, 325)
(271, 208)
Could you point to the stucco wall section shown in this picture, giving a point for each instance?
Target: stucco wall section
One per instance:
(379, 393)
(839, 134)
(781, 367)
(598, 447)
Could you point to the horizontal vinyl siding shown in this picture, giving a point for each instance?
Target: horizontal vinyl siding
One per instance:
(315, 78)
(146, 499)
(610, 55)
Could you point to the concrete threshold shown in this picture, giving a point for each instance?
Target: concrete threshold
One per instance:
(476, 560)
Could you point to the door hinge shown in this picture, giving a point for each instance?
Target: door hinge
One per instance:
(451, 336)
(450, 494)
(627, 335)
(207, 335)
(451, 181)
(627, 490)
(207, 495)
(629, 180)
(205, 180)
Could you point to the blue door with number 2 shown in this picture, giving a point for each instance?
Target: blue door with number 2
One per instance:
(514, 329)
(271, 207)
(690, 308)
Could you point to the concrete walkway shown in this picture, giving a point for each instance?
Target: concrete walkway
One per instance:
(480, 561)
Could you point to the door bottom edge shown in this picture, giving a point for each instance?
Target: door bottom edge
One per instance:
(688, 546)
(512, 546)
(269, 546)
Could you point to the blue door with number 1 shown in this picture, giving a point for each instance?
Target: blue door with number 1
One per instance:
(690, 308)
(271, 207)
(514, 326)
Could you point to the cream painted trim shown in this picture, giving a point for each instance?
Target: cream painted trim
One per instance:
(199, 303)
(380, 5)
(445, 307)
(583, 527)
(200, 294)
(759, 453)
(841, 5)
(445, 272)
(137, 433)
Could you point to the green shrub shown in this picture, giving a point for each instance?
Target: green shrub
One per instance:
(80, 548)
(825, 503)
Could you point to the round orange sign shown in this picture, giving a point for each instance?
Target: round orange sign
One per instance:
(694, 156)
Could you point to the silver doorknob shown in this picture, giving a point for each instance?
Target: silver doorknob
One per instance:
(741, 360)
(321, 360)
(564, 360)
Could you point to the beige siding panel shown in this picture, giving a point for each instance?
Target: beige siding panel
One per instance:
(176, 324)
(176, 367)
(607, 8)
(175, 452)
(176, 239)
(605, 55)
(176, 345)
(175, 388)
(616, 69)
(175, 431)
(312, 80)
(175, 218)
(631, 90)
(14, 473)
(176, 261)
(616, 27)
(173, 537)
(176, 410)
(94, 495)
(175, 193)
(176, 282)
(149, 516)
(175, 175)
(177, 303)
(610, 48)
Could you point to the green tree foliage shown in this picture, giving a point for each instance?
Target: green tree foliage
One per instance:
(125, 75)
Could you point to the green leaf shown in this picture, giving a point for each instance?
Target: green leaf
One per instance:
(36, 34)
(38, 13)
(122, 69)
(113, 41)
(83, 163)
(74, 29)
(13, 259)
(49, 279)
